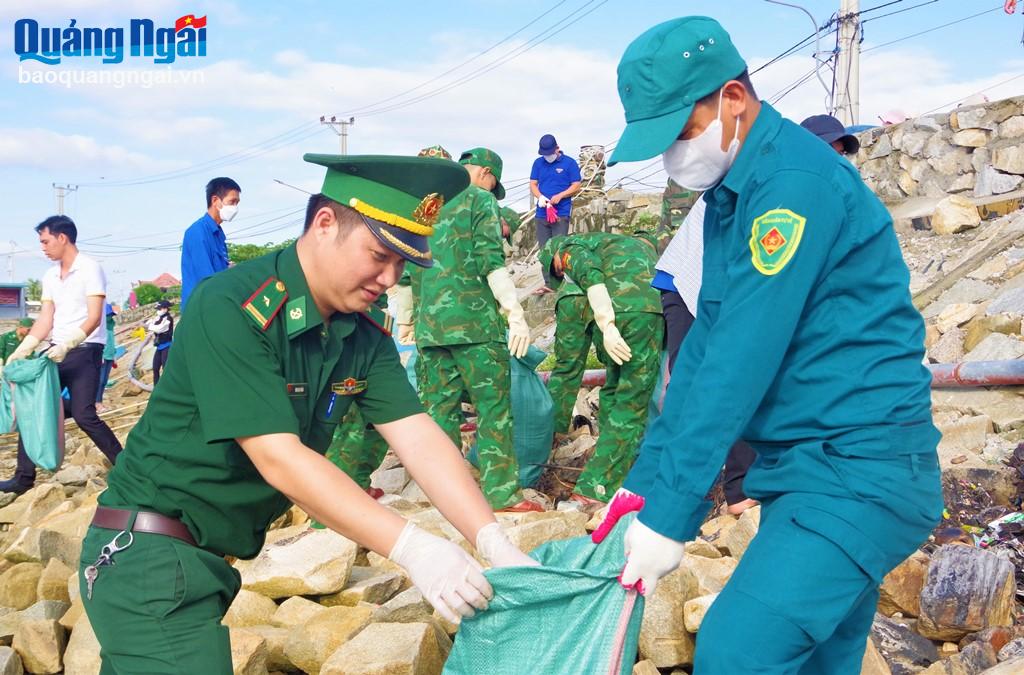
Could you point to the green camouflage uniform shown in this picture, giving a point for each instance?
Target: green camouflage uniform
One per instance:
(574, 333)
(625, 265)
(8, 343)
(461, 337)
(357, 448)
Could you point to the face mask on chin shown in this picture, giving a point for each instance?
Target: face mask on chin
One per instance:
(228, 212)
(551, 158)
(700, 163)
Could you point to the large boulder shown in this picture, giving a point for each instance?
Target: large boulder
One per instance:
(904, 650)
(366, 584)
(248, 653)
(296, 612)
(955, 214)
(41, 643)
(306, 562)
(967, 589)
(311, 644)
(19, 585)
(391, 649)
(901, 588)
(10, 662)
(738, 538)
(249, 609)
(82, 656)
(664, 639)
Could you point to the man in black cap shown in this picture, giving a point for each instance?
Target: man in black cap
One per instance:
(162, 328)
(554, 179)
(832, 131)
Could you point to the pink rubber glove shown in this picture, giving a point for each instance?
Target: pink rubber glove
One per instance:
(552, 214)
(622, 503)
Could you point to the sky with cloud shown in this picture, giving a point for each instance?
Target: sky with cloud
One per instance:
(140, 140)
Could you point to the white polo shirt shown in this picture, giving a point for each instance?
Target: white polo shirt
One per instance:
(69, 294)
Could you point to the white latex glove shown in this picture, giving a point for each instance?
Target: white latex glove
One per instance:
(57, 352)
(448, 577)
(604, 317)
(504, 292)
(649, 557)
(493, 544)
(543, 202)
(24, 350)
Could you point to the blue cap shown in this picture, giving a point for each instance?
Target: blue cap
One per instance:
(829, 129)
(547, 145)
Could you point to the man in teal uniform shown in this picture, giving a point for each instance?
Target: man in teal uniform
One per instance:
(279, 349)
(806, 345)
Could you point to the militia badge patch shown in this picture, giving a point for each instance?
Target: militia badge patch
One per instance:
(774, 238)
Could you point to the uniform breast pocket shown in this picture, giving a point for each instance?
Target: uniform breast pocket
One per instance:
(712, 285)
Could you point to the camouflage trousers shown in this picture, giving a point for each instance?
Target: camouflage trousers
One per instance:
(574, 334)
(482, 371)
(357, 448)
(622, 418)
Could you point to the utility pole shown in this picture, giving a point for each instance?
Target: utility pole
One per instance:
(334, 123)
(10, 261)
(848, 68)
(62, 190)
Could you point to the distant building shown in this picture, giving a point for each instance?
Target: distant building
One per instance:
(163, 282)
(12, 301)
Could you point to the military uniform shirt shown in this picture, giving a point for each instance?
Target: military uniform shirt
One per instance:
(9, 341)
(623, 263)
(805, 328)
(454, 304)
(229, 378)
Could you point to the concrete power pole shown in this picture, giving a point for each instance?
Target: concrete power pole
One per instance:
(343, 125)
(60, 191)
(848, 68)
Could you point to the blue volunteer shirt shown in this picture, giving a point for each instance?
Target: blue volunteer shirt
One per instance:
(554, 178)
(204, 252)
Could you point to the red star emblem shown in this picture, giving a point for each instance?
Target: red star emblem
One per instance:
(772, 241)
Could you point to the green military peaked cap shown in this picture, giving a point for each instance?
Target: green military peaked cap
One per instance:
(663, 74)
(26, 323)
(399, 198)
(490, 159)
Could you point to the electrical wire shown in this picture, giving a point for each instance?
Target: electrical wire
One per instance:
(929, 30)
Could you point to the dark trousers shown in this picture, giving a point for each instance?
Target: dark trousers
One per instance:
(159, 361)
(104, 377)
(79, 372)
(678, 320)
(546, 231)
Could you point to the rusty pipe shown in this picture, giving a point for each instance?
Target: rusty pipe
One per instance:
(944, 375)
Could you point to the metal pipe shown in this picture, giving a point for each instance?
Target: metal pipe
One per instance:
(944, 375)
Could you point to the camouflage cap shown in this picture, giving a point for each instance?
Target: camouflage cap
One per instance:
(489, 159)
(435, 151)
(547, 255)
(509, 215)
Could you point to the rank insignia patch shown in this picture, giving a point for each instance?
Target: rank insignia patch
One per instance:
(295, 315)
(774, 238)
(297, 389)
(350, 386)
(263, 305)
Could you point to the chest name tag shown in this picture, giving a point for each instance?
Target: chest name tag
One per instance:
(297, 389)
(774, 239)
(348, 387)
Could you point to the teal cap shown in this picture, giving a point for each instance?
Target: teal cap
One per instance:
(663, 74)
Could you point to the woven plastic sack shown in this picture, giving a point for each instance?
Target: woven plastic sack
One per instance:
(533, 418)
(570, 616)
(37, 408)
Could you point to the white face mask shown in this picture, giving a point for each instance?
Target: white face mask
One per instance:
(551, 158)
(228, 211)
(699, 163)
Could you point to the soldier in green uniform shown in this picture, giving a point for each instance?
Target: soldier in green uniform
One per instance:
(270, 356)
(574, 333)
(613, 271)
(459, 330)
(10, 340)
(510, 223)
(806, 345)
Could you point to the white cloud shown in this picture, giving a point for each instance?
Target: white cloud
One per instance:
(47, 149)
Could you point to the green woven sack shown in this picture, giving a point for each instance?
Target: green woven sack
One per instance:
(569, 617)
(37, 409)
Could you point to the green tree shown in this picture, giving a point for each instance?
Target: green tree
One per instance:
(147, 294)
(241, 252)
(33, 290)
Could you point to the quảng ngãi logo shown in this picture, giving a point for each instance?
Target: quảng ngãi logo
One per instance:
(187, 38)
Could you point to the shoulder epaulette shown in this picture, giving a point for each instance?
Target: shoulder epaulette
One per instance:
(379, 318)
(263, 305)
